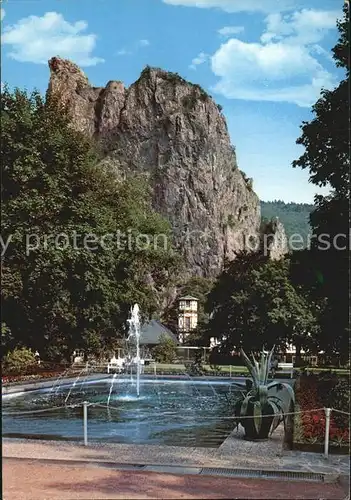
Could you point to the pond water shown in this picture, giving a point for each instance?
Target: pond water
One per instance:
(168, 411)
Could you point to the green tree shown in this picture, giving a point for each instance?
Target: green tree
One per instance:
(255, 304)
(165, 351)
(6, 338)
(326, 139)
(294, 216)
(19, 361)
(61, 296)
(228, 305)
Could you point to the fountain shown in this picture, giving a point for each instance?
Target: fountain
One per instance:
(111, 388)
(134, 335)
(85, 369)
(179, 410)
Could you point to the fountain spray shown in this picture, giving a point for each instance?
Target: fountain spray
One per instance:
(134, 333)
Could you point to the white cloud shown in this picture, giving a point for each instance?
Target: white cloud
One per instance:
(317, 49)
(123, 52)
(238, 5)
(200, 59)
(128, 52)
(144, 43)
(2, 14)
(301, 27)
(231, 30)
(36, 39)
(283, 66)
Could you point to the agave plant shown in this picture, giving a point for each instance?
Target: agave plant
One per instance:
(264, 406)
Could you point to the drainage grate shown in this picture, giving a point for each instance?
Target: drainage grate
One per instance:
(264, 474)
(112, 465)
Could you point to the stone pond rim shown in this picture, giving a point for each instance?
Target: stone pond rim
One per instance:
(172, 131)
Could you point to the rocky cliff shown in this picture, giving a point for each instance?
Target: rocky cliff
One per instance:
(172, 131)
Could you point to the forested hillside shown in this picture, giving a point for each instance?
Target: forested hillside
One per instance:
(294, 216)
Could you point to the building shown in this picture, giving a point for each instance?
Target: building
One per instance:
(150, 336)
(289, 356)
(151, 333)
(187, 316)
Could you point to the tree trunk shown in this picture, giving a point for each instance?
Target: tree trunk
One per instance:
(298, 360)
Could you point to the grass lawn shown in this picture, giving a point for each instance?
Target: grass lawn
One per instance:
(169, 367)
(338, 371)
(181, 367)
(228, 369)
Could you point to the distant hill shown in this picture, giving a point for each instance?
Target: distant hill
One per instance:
(294, 216)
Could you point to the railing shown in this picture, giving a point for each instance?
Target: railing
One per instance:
(85, 405)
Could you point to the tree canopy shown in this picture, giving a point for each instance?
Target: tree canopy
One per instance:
(254, 303)
(326, 139)
(73, 263)
(294, 216)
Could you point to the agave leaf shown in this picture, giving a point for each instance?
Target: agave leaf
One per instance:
(253, 362)
(268, 365)
(250, 367)
(263, 394)
(285, 386)
(257, 414)
(278, 419)
(244, 405)
(257, 370)
(262, 368)
(276, 407)
(277, 416)
(284, 422)
(239, 385)
(276, 398)
(243, 394)
(247, 361)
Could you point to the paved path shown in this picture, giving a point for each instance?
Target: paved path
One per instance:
(30, 480)
(233, 453)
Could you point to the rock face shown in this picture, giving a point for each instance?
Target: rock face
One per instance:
(274, 242)
(173, 132)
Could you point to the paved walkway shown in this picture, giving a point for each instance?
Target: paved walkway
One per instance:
(235, 452)
(30, 480)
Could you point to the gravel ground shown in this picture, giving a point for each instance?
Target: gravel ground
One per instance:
(235, 452)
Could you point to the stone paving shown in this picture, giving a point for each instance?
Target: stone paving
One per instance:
(27, 480)
(235, 452)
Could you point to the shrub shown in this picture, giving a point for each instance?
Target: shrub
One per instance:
(189, 102)
(231, 221)
(19, 361)
(165, 351)
(216, 368)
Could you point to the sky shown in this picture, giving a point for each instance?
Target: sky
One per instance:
(264, 61)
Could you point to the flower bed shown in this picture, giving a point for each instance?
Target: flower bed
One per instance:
(313, 392)
(16, 379)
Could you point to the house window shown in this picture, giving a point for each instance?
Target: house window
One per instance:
(187, 324)
(187, 304)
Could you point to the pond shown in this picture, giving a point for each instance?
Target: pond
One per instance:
(178, 412)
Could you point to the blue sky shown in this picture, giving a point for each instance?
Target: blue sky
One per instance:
(264, 61)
